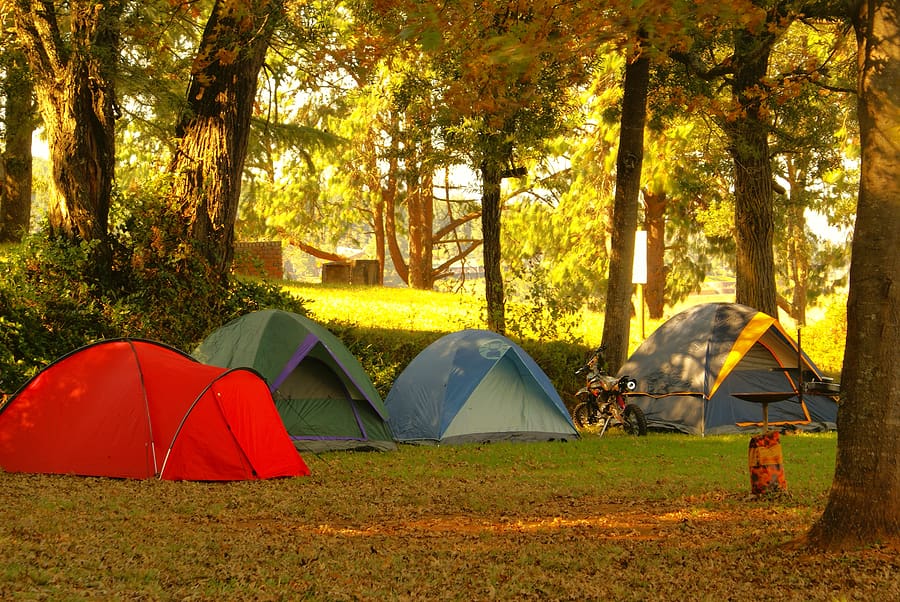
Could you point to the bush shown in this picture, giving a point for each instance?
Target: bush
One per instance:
(383, 352)
(53, 301)
(46, 311)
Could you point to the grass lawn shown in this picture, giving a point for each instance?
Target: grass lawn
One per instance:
(662, 517)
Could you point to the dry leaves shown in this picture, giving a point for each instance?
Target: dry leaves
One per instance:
(497, 523)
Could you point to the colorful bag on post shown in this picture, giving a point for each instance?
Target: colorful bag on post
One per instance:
(766, 464)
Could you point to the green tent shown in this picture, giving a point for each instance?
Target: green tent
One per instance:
(323, 394)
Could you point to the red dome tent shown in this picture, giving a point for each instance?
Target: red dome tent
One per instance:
(138, 409)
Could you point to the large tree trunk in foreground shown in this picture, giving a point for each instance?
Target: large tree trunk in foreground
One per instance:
(74, 73)
(16, 163)
(617, 322)
(213, 133)
(748, 136)
(864, 502)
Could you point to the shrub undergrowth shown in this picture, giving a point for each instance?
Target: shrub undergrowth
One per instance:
(54, 300)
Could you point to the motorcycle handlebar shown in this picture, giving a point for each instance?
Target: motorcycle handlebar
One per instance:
(596, 355)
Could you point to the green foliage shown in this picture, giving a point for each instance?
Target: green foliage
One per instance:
(565, 247)
(541, 310)
(384, 353)
(824, 340)
(559, 360)
(53, 302)
(559, 222)
(48, 308)
(687, 265)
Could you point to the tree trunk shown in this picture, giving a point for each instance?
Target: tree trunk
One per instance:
(491, 180)
(389, 195)
(655, 225)
(420, 205)
(378, 211)
(749, 147)
(372, 175)
(74, 73)
(796, 242)
(213, 133)
(420, 197)
(16, 163)
(863, 505)
(617, 321)
(798, 261)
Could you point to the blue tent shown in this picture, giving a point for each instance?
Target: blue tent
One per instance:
(475, 386)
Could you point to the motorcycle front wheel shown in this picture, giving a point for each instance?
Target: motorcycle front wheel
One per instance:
(586, 415)
(635, 421)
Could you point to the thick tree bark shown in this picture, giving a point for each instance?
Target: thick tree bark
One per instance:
(617, 321)
(749, 146)
(74, 73)
(864, 502)
(16, 163)
(655, 225)
(213, 133)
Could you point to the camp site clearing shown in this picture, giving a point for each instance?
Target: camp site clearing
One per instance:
(662, 517)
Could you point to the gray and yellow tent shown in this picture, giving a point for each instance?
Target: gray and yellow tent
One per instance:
(324, 396)
(691, 371)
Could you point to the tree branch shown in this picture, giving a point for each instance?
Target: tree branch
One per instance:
(306, 248)
(441, 270)
(455, 223)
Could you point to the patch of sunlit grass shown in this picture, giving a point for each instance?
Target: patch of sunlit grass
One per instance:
(391, 308)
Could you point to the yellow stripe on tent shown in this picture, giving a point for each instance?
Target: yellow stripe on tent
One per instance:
(755, 328)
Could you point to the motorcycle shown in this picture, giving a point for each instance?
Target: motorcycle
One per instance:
(602, 401)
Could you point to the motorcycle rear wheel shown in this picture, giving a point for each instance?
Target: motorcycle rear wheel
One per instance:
(635, 421)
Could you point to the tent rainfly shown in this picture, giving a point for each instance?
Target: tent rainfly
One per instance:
(129, 408)
(476, 386)
(691, 371)
(323, 394)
